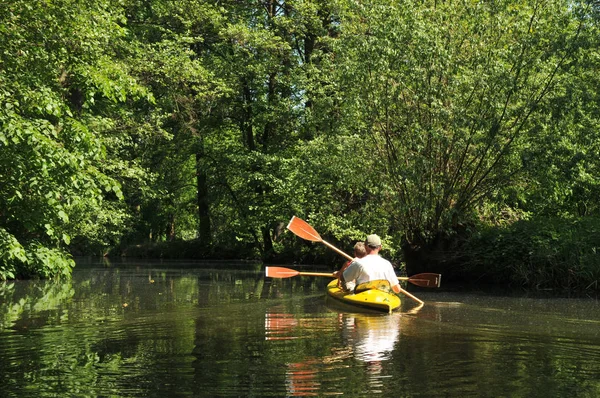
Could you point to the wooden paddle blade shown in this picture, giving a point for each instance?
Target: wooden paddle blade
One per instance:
(280, 272)
(303, 229)
(426, 280)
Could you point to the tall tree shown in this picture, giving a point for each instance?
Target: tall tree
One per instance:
(451, 94)
(261, 55)
(564, 165)
(167, 38)
(57, 77)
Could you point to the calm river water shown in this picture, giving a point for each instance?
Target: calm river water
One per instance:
(174, 329)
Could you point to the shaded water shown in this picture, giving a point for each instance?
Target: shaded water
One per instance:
(177, 329)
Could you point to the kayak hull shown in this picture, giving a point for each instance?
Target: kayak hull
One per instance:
(369, 299)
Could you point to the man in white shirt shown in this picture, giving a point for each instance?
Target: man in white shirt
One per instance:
(372, 267)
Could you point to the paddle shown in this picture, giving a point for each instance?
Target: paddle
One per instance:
(423, 280)
(304, 230)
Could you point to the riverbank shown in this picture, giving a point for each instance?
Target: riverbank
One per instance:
(548, 254)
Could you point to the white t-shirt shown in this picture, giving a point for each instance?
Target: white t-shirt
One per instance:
(369, 268)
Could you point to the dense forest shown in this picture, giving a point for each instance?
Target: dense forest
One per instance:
(465, 133)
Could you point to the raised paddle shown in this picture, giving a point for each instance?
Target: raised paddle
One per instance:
(423, 280)
(304, 230)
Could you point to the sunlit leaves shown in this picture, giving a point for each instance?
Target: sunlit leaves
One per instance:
(57, 65)
(119, 120)
(450, 92)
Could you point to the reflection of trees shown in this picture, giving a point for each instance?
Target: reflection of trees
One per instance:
(478, 351)
(217, 332)
(127, 328)
(19, 299)
(110, 330)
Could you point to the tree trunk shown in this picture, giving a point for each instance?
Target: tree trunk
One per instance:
(171, 228)
(204, 227)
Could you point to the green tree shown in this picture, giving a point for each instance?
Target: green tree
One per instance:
(262, 51)
(564, 166)
(58, 75)
(169, 132)
(451, 95)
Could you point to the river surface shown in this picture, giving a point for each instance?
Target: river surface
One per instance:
(176, 329)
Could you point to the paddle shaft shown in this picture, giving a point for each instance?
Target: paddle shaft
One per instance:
(418, 300)
(335, 249)
(424, 280)
(331, 275)
(325, 274)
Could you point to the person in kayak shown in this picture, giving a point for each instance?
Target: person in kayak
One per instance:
(359, 252)
(367, 272)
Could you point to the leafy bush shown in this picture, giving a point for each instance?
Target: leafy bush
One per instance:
(31, 260)
(545, 253)
(11, 252)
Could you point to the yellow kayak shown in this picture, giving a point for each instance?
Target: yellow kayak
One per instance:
(374, 299)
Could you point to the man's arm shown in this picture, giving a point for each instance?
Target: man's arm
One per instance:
(392, 279)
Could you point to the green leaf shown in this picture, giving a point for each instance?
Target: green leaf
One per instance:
(63, 216)
(49, 230)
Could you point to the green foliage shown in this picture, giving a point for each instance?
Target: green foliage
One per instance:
(452, 94)
(564, 167)
(31, 260)
(59, 77)
(11, 254)
(543, 253)
(145, 122)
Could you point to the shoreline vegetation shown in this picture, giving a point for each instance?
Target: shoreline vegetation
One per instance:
(467, 135)
(549, 254)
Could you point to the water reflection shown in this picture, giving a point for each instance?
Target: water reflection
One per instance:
(301, 379)
(192, 331)
(364, 340)
(279, 325)
(372, 338)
